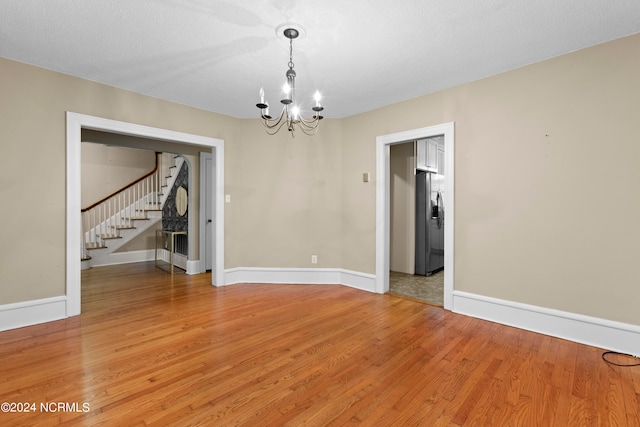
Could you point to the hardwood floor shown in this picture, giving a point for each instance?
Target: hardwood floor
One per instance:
(151, 349)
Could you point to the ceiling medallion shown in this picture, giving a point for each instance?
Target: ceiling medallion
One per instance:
(290, 115)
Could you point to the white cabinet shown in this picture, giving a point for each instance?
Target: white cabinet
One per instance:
(430, 155)
(440, 158)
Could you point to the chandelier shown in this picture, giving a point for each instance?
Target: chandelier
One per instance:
(290, 115)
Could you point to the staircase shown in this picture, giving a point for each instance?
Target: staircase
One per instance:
(118, 218)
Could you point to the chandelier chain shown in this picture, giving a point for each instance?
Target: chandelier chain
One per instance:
(290, 53)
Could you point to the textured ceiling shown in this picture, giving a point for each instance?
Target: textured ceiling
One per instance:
(360, 54)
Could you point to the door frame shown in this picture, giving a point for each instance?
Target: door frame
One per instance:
(383, 197)
(75, 123)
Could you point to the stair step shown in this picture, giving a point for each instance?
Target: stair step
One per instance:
(153, 210)
(110, 236)
(125, 227)
(138, 218)
(95, 245)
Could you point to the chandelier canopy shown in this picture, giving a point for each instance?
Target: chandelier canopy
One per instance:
(290, 115)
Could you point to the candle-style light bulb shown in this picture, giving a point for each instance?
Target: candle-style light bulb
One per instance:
(317, 97)
(261, 95)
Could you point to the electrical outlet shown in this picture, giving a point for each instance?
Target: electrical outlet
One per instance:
(314, 259)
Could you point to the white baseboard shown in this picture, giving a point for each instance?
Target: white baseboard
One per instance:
(353, 279)
(190, 266)
(193, 267)
(27, 313)
(593, 331)
(179, 260)
(357, 280)
(123, 257)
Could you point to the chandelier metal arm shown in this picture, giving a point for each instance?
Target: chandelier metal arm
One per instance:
(272, 126)
(309, 124)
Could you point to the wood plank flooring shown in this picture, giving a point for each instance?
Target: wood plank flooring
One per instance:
(152, 349)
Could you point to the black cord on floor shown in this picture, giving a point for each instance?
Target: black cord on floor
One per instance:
(604, 357)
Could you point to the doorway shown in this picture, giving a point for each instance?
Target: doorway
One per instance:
(417, 218)
(383, 144)
(75, 123)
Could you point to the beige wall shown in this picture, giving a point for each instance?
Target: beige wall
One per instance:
(145, 241)
(193, 211)
(285, 203)
(402, 208)
(546, 176)
(106, 169)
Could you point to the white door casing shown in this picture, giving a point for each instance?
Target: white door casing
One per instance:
(383, 191)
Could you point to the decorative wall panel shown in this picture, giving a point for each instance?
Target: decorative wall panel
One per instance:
(171, 216)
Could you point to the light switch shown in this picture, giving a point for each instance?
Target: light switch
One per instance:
(227, 198)
(365, 177)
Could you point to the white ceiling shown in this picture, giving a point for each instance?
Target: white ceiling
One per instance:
(360, 54)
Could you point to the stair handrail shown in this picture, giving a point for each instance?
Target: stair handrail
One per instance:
(126, 187)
